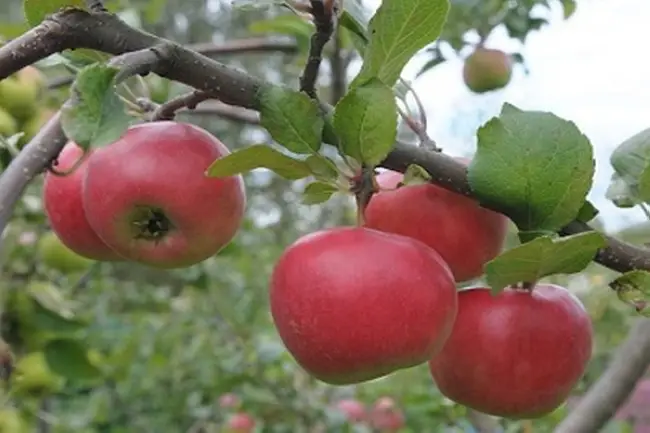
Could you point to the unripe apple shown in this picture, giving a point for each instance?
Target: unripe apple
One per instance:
(353, 304)
(8, 125)
(354, 410)
(12, 422)
(19, 93)
(517, 354)
(63, 202)
(148, 198)
(487, 69)
(465, 234)
(32, 376)
(54, 254)
(240, 422)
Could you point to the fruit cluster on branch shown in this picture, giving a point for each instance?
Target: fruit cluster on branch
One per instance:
(70, 29)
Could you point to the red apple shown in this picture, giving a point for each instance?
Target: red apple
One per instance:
(62, 199)
(354, 410)
(465, 234)
(240, 422)
(517, 354)
(386, 416)
(229, 401)
(147, 196)
(353, 304)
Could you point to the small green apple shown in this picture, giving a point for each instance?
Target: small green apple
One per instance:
(32, 376)
(8, 125)
(57, 256)
(11, 421)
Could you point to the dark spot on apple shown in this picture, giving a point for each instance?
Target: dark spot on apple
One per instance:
(151, 224)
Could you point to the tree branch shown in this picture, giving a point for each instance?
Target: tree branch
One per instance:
(611, 391)
(71, 29)
(324, 21)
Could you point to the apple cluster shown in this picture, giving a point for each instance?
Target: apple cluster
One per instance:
(354, 304)
(145, 197)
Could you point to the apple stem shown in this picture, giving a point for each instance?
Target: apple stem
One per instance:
(528, 285)
(364, 187)
(63, 173)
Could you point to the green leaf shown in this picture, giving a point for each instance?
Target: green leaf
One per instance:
(534, 166)
(415, 175)
(83, 57)
(587, 212)
(355, 19)
(258, 156)
(37, 10)
(644, 184)
(322, 167)
(292, 118)
(568, 8)
(51, 311)
(365, 120)
(94, 115)
(398, 30)
(69, 358)
(633, 288)
(542, 257)
(318, 192)
(620, 193)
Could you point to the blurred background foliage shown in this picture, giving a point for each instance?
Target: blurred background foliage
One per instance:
(153, 351)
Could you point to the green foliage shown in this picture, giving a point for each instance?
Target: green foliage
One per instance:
(37, 10)
(94, 116)
(69, 358)
(542, 257)
(633, 288)
(292, 118)
(397, 31)
(534, 166)
(365, 120)
(318, 192)
(630, 184)
(258, 156)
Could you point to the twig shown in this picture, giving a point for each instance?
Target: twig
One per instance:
(324, 22)
(167, 111)
(339, 69)
(601, 402)
(419, 130)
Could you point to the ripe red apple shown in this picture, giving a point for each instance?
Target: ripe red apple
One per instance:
(465, 234)
(147, 196)
(229, 401)
(487, 69)
(354, 410)
(386, 416)
(353, 304)
(517, 354)
(62, 199)
(240, 422)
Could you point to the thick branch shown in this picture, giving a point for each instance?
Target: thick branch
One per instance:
(614, 387)
(31, 161)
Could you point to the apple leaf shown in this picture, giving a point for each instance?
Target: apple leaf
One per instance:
(69, 358)
(398, 30)
(292, 118)
(633, 288)
(259, 156)
(322, 167)
(9, 30)
(51, 312)
(534, 166)
(644, 184)
(587, 212)
(83, 57)
(542, 257)
(621, 193)
(318, 192)
(365, 120)
(568, 8)
(37, 10)
(415, 175)
(355, 19)
(94, 115)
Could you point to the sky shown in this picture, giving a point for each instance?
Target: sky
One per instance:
(588, 69)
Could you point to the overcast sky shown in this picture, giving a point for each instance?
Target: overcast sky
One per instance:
(589, 69)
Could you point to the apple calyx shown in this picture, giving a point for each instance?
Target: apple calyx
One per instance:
(150, 223)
